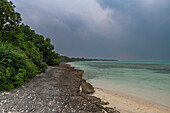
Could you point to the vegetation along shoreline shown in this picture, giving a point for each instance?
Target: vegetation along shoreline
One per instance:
(25, 54)
(59, 89)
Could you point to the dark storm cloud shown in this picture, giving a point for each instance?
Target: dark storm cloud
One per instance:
(148, 29)
(122, 29)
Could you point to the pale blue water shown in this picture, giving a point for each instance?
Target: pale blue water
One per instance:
(148, 80)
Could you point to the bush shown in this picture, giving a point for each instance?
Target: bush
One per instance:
(34, 55)
(30, 50)
(15, 67)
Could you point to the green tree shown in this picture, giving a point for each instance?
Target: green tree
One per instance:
(9, 20)
(43, 44)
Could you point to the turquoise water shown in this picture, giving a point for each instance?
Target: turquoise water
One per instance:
(147, 80)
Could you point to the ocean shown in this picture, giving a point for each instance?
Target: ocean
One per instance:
(146, 80)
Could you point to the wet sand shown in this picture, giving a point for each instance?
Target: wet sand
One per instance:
(129, 105)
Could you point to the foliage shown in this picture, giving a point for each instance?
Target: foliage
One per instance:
(23, 53)
(15, 67)
(34, 55)
(44, 45)
(9, 20)
(32, 52)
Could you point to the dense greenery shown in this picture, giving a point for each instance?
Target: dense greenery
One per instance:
(44, 45)
(9, 20)
(23, 53)
(15, 66)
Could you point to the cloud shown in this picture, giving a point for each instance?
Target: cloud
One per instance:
(74, 15)
(124, 29)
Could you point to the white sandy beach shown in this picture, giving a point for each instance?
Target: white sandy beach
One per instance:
(128, 105)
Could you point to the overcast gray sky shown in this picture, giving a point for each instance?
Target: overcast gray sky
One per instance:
(120, 29)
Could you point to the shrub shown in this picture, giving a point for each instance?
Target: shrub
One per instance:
(15, 67)
(34, 54)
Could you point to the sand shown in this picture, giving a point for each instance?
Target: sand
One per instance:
(128, 105)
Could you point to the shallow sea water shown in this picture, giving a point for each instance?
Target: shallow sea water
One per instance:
(147, 80)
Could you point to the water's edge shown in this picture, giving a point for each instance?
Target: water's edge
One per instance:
(133, 97)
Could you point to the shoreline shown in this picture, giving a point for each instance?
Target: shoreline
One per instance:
(59, 89)
(63, 89)
(128, 103)
(136, 98)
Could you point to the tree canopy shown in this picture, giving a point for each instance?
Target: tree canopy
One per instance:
(23, 52)
(9, 19)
